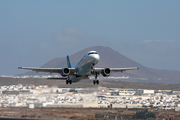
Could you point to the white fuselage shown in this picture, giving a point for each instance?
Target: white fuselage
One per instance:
(82, 70)
(85, 66)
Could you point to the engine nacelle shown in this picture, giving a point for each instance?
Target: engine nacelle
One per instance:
(65, 72)
(106, 72)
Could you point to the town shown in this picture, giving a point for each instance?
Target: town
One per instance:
(43, 96)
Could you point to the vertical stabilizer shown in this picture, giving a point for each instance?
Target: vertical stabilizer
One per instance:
(68, 62)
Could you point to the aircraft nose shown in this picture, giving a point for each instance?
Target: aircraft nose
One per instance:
(96, 56)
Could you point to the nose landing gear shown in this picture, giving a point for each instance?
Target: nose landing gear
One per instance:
(96, 81)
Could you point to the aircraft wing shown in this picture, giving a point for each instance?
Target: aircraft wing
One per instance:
(51, 70)
(115, 69)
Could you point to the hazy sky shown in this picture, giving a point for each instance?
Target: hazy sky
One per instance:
(33, 32)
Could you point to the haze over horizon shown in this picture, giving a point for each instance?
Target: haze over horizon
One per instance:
(34, 32)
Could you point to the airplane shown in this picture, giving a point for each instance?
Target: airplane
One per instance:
(82, 70)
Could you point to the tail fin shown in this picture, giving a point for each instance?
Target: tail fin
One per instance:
(68, 62)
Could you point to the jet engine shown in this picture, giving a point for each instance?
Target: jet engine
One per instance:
(65, 72)
(106, 72)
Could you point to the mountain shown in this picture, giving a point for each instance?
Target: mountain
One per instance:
(111, 58)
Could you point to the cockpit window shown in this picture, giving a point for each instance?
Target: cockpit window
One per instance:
(92, 53)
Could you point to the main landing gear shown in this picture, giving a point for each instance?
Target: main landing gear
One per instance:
(68, 81)
(96, 81)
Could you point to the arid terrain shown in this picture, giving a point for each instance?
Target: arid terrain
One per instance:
(82, 113)
(88, 83)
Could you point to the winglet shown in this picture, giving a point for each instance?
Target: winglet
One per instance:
(68, 62)
(19, 67)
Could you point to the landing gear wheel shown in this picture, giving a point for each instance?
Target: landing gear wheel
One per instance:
(97, 81)
(94, 82)
(70, 82)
